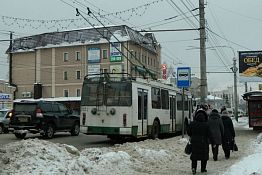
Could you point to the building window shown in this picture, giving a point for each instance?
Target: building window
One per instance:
(65, 75)
(78, 92)
(78, 56)
(66, 93)
(65, 56)
(105, 53)
(78, 74)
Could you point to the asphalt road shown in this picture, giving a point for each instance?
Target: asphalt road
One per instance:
(82, 141)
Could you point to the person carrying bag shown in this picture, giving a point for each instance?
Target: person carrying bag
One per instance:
(229, 134)
(199, 133)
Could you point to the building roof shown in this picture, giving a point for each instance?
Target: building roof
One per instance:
(84, 37)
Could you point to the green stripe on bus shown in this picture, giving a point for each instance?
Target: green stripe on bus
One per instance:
(164, 128)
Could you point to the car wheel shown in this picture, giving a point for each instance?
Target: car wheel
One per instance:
(6, 130)
(75, 129)
(49, 131)
(20, 136)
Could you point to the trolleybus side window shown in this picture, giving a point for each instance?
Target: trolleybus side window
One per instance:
(155, 95)
(179, 102)
(164, 99)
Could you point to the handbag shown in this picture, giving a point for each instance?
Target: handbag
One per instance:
(234, 146)
(188, 148)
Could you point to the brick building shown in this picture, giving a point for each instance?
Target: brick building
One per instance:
(55, 64)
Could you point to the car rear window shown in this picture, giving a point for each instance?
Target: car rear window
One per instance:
(25, 107)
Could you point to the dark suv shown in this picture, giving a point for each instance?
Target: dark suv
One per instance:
(44, 117)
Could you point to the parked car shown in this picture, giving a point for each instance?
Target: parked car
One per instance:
(5, 115)
(44, 117)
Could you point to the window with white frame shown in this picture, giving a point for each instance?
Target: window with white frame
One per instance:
(78, 92)
(65, 75)
(66, 93)
(78, 74)
(65, 56)
(78, 56)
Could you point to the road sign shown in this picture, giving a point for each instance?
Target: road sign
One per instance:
(183, 77)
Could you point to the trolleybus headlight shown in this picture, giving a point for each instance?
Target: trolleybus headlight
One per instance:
(112, 111)
(93, 111)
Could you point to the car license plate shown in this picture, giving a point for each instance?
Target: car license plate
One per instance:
(23, 119)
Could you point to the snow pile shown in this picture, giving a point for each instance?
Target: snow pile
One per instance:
(251, 164)
(31, 156)
(34, 156)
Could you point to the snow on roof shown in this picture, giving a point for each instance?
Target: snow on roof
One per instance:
(50, 99)
(83, 36)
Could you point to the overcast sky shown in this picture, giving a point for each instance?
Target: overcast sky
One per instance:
(233, 25)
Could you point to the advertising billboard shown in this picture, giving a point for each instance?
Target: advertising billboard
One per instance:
(250, 66)
(93, 55)
(164, 67)
(115, 52)
(93, 69)
(116, 69)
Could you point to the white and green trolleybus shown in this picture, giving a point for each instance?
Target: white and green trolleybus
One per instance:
(119, 106)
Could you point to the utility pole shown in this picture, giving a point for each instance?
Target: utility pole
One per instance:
(234, 69)
(203, 75)
(10, 58)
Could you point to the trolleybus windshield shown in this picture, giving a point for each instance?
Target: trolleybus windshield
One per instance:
(97, 93)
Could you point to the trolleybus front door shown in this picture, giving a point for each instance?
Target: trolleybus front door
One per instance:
(172, 100)
(142, 111)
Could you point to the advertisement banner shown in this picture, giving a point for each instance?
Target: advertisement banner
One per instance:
(93, 55)
(250, 66)
(116, 69)
(93, 69)
(164, 68)
(115, 52)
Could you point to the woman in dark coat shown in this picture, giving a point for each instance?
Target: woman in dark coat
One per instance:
(216, 129)
(199, 133)
(229, 134)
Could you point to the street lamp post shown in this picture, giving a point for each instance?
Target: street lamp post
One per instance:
(234, 70)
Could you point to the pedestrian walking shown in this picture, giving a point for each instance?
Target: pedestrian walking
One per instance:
(216, 130)
(199, 133)
(229, 134)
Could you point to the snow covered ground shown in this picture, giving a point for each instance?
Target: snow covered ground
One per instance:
(34, 156)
